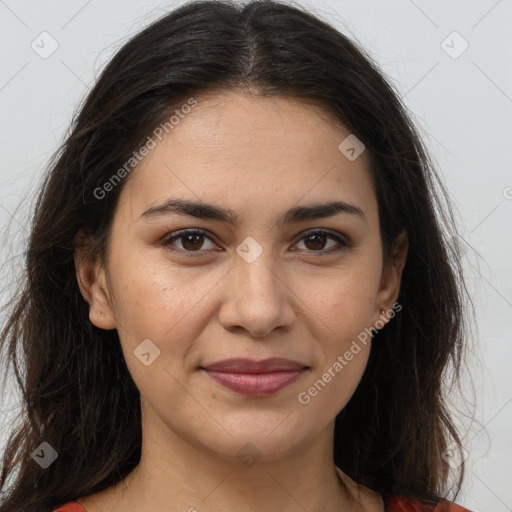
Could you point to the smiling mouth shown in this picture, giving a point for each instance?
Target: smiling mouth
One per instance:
(255, 378)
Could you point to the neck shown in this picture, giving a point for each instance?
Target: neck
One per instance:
(175, 475)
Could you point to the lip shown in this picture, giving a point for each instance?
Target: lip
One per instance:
(255, 378)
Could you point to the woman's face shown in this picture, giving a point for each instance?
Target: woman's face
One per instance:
(266, 276)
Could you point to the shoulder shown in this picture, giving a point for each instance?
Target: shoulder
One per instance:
(71, 506)
(404, 504)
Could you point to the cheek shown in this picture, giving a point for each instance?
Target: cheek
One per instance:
(329, 390)
(342, 303)
(166, 305)
(158, 318)
(343, 346)
(149, 296)
(340, 311)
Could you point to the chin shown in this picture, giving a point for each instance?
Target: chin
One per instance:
(259, 440)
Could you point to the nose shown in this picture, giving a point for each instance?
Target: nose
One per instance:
(257, 298)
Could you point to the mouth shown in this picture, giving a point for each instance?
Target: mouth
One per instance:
(255, 378)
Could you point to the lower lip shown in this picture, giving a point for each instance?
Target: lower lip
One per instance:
(256, 384)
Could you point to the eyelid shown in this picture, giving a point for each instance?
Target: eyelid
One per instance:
(333, 234)
(176, 235)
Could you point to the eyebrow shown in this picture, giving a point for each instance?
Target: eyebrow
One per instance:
(209, 211)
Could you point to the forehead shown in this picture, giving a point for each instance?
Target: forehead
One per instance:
(245, 151)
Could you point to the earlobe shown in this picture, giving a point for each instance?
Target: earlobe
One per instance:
(100, 311)
(92, 283)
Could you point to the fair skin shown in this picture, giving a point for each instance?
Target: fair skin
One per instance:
(299, 299)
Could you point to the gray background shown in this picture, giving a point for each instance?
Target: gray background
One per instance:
(462, 105)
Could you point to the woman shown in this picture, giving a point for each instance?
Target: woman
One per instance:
(238, 291)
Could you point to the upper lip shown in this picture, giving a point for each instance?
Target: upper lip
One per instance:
(274, 364)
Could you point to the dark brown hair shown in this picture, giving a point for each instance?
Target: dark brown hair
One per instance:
(77, 392)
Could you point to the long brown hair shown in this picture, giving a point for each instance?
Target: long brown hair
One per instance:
(77, 393)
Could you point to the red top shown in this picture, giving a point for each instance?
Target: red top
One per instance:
(394, 504)
(399, 504)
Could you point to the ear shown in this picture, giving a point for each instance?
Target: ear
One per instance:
(391, 277)
(91, 277)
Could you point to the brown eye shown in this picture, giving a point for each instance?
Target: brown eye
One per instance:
(190, 241)
(316, 241)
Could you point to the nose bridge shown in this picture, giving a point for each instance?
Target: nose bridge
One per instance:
(258, 299)
(256, 270)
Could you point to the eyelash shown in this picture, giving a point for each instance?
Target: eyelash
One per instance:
(181, 234)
